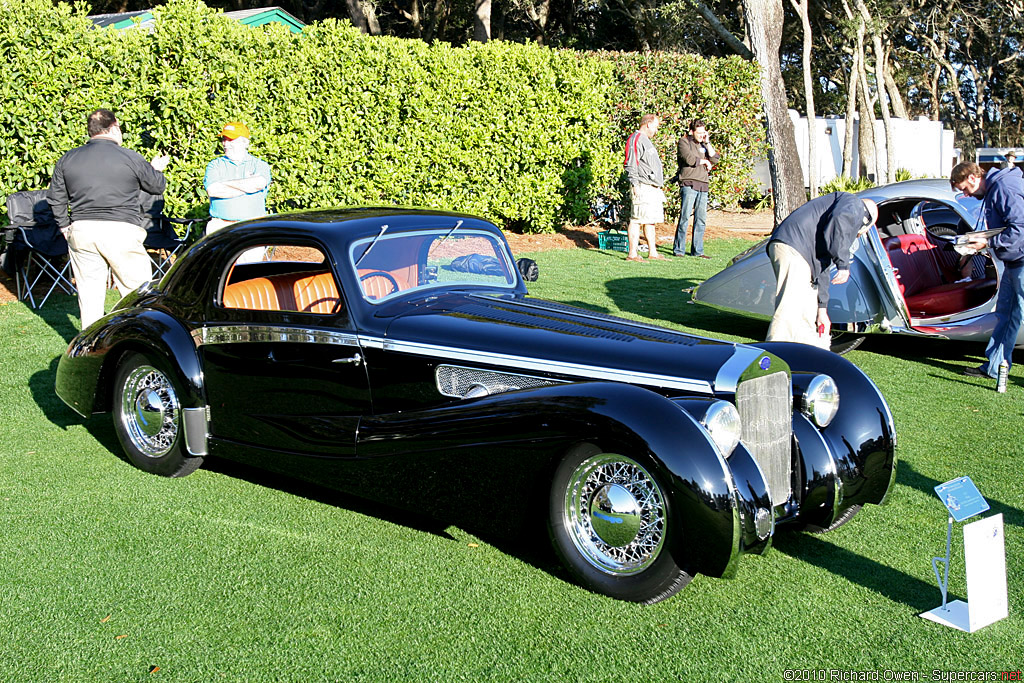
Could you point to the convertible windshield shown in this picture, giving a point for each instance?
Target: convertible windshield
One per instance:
(406, 261)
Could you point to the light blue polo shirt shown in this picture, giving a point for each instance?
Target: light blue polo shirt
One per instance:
(244, 206)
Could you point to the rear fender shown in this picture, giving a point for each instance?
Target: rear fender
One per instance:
(86, 370)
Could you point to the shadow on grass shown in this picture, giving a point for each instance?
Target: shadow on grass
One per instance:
(908, 476)
(895, 585)
(527, 541)
(41, 384)
(668, 300)
(60, 313)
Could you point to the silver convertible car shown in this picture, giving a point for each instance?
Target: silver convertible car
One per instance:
(905, 278)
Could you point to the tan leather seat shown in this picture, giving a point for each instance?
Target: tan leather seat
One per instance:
(315, 293)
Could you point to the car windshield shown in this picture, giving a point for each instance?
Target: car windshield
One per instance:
(393, 264)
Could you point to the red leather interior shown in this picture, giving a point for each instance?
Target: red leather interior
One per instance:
(315, 293)
(927, 277)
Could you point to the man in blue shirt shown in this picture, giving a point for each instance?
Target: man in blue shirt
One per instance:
(236, 182)
(1002, 193)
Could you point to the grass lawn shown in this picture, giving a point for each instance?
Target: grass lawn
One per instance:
(107, 573)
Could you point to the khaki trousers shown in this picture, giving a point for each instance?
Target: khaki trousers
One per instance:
(796, 299)
(93, 246)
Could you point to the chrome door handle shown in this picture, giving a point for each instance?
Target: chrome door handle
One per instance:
(357, 359)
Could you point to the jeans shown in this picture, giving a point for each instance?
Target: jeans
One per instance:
(1009, 311)
(695, 203)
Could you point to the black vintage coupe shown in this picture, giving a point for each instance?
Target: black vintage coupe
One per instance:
(395, 354)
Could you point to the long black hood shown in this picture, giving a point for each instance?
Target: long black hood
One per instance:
(528, 334)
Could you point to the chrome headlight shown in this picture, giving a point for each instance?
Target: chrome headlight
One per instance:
(722, 421)
(820, 401)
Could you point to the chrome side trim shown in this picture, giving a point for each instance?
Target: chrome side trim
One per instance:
(538, 365)
(729, 374)
(196, 431)
(233, 334)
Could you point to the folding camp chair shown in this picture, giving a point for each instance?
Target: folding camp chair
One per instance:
(37, 252)
(163, 243)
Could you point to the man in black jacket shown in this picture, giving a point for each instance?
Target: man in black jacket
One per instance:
(802, 248)
(696, 158)
(94, 195)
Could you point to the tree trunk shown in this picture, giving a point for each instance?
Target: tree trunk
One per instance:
(414, 18)
(899, 109)
(482, 22)
(812, 120)
(721, 31)
(851, 113)
(883, 102)
(764, 20)
(866, 137)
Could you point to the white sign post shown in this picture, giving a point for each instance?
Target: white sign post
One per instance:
(984, 557)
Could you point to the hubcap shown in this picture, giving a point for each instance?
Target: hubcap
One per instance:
(150, 413)
(615, 514)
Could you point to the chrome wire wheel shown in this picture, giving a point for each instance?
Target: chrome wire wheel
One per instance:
(150, 412)
(615, 514)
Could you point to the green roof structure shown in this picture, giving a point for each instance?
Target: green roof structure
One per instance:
(249, 17)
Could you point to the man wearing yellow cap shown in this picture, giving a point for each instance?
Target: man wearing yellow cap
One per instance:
(236, 182)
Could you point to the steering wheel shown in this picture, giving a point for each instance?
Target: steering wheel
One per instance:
(382, 274)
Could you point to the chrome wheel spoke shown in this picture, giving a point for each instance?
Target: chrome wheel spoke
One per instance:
(150, 412)
(615, 514)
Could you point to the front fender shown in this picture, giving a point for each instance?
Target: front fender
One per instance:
(87, 367)
(857, 450)
(617, 418)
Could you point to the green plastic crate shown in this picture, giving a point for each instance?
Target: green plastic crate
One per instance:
(613, 239)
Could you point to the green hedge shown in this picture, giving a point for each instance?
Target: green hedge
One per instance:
(521, 134)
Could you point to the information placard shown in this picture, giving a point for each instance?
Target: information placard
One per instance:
(962, 498)
(985, 557)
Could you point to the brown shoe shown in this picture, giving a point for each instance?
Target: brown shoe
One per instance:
(702, 256)
(633, 258)
(656, 257)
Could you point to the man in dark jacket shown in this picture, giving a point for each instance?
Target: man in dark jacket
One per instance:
(94, 195)
(696, 158)
(1002, 193)
(802, 248)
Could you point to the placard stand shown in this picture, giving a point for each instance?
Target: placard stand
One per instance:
(984, 559)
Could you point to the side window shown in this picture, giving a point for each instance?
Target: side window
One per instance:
(282, 277)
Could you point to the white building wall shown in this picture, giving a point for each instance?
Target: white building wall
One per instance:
(922, 147)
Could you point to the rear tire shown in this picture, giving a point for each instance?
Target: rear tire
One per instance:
(610, 525)
(148, 418)
(844, 342)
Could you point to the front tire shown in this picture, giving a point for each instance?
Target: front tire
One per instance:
(610, 525)
(148, 418)
(844, 517)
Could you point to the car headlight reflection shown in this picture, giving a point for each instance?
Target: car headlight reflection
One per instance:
(722, 421)
(821, 400)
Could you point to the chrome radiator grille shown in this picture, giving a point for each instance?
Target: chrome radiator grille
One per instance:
(765, 406)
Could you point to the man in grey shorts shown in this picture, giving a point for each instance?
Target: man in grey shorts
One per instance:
(646, 178)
